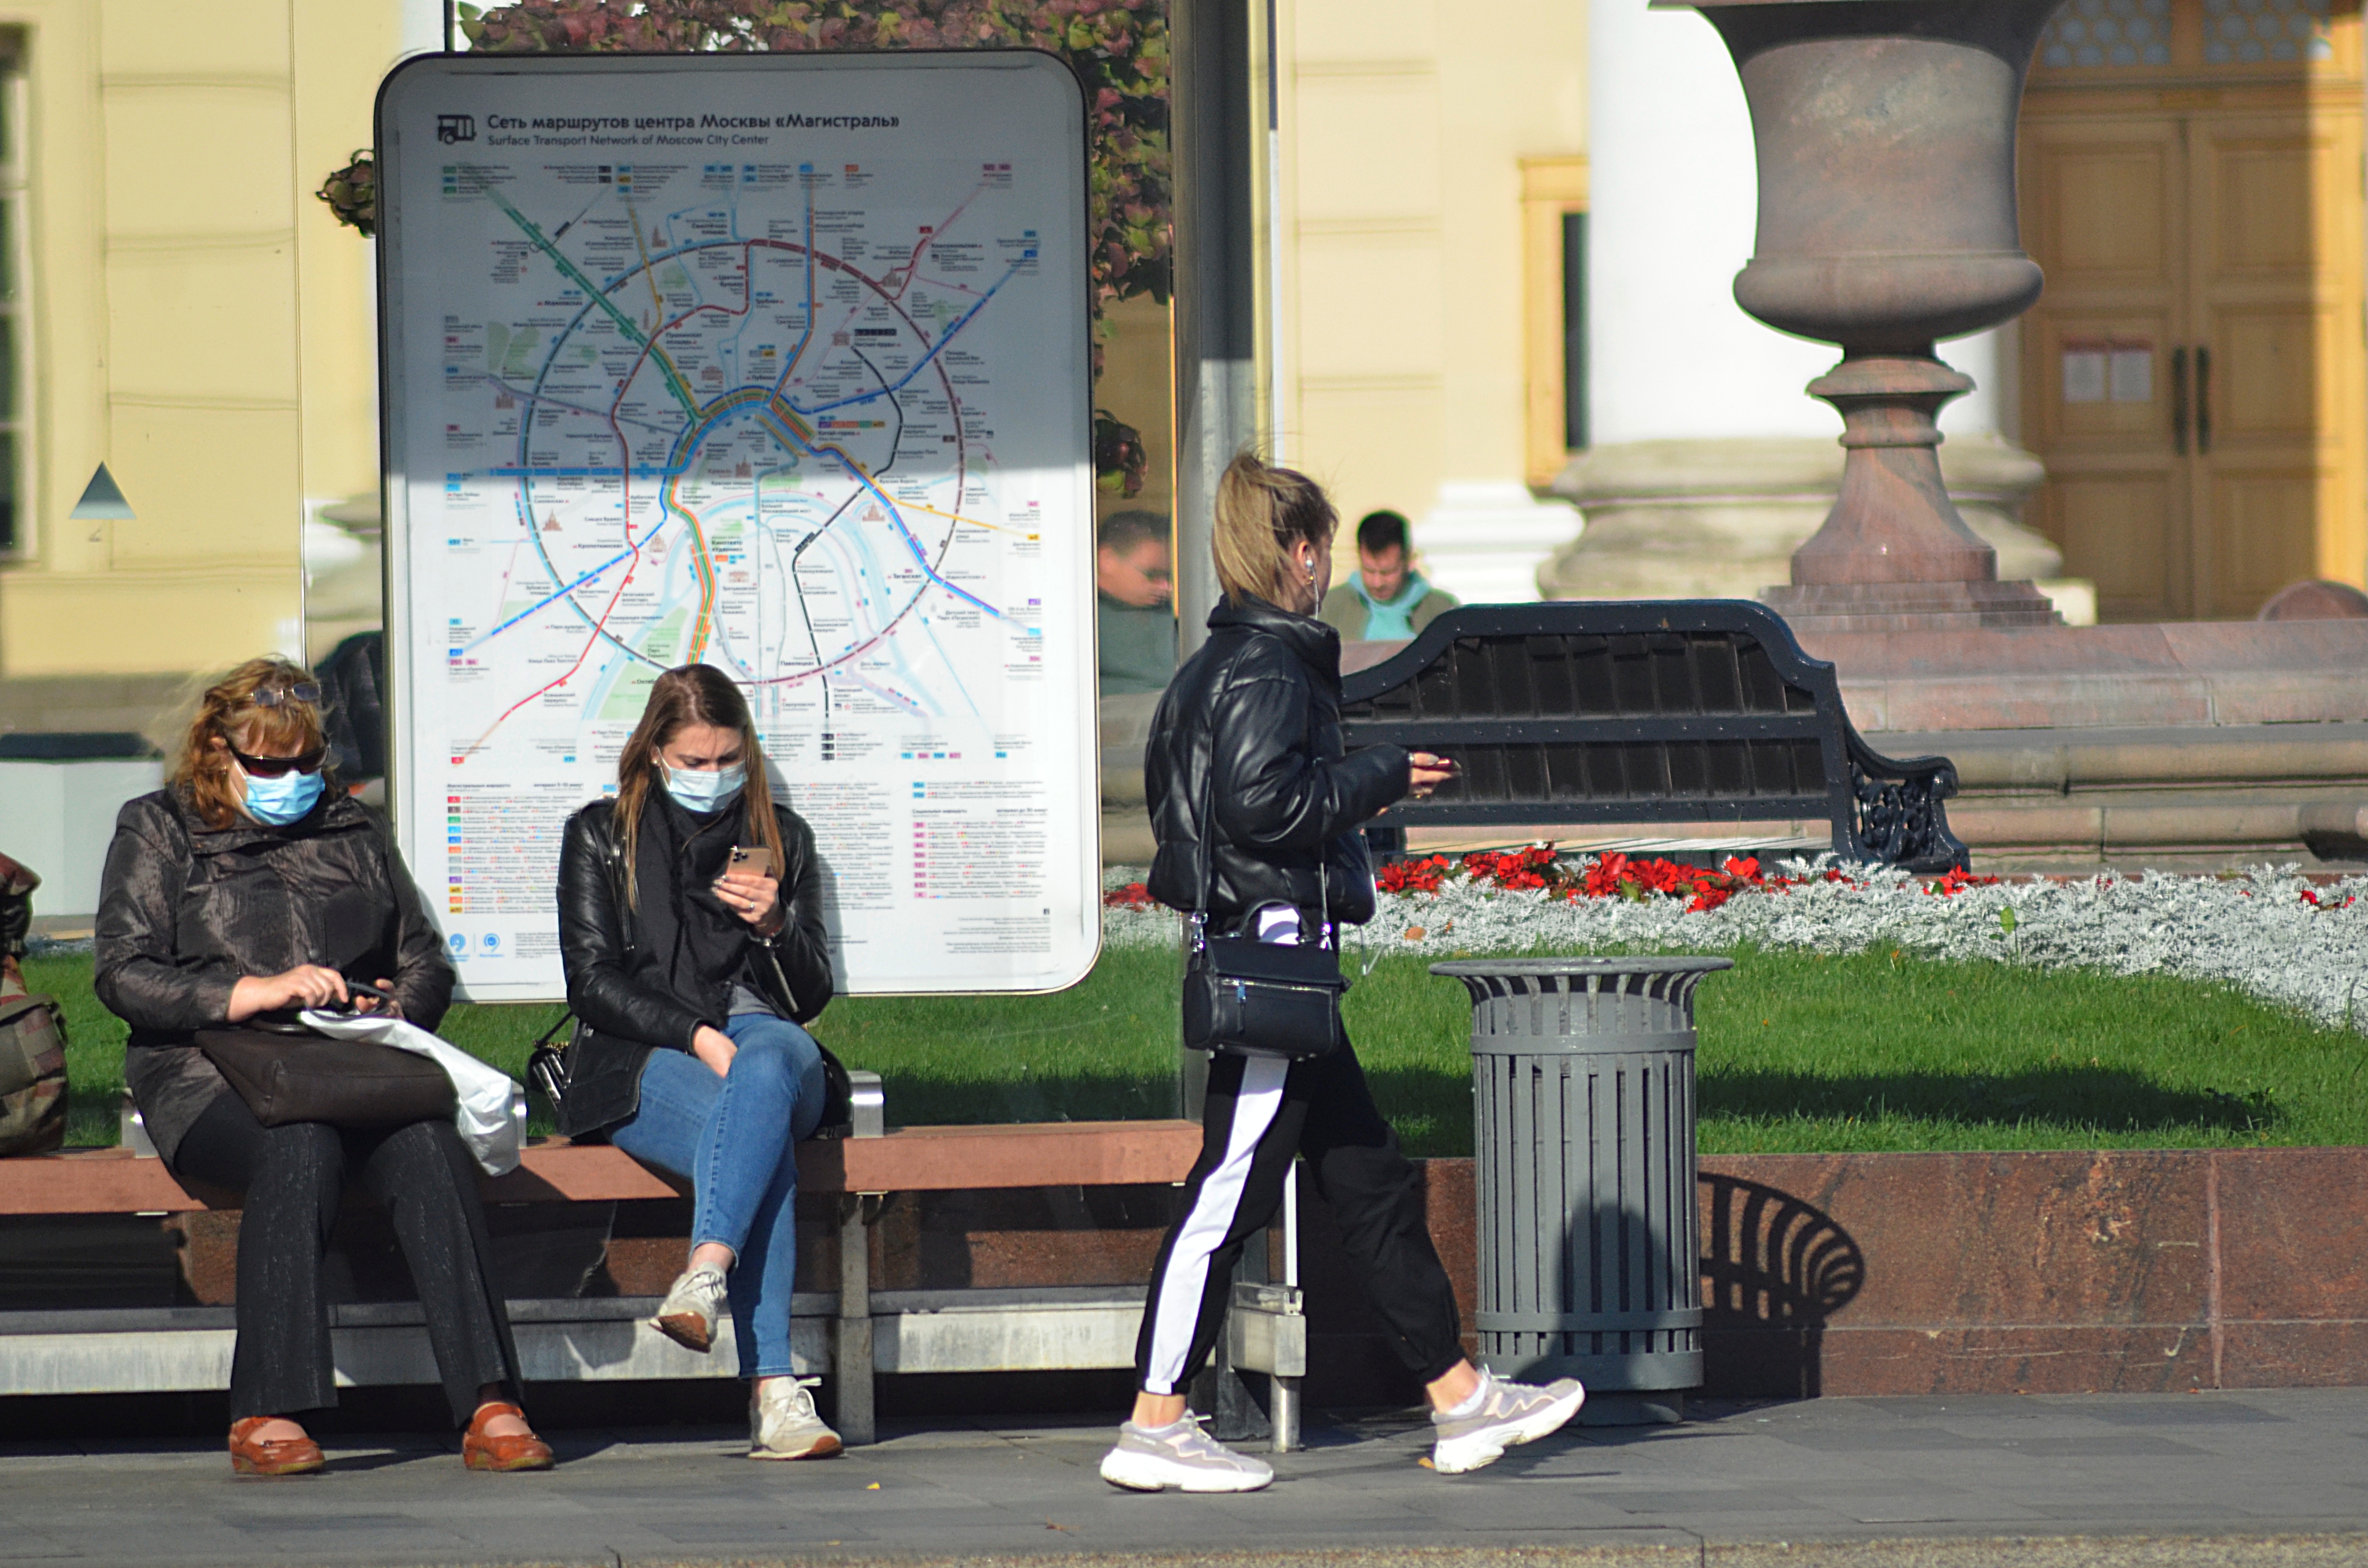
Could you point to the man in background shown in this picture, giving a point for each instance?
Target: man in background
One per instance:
(1384, 599)
(1131, 586)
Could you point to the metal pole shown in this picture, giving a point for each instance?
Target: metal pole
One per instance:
(1212, 120)
(451, 24)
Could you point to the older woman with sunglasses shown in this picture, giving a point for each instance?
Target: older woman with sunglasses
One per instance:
(246, 889)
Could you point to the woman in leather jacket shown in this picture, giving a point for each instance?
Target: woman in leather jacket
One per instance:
(690, 924)
(246, 889)
(1258, 815)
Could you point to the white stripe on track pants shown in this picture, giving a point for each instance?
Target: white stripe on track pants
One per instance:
(1260, 1112)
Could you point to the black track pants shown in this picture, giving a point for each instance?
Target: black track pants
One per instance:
(1261, 1113)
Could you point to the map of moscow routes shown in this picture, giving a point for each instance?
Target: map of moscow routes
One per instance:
(777, 363)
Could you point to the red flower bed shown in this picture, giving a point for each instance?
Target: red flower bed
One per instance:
(1608, 875)
(1134, 895)
(1952, 881)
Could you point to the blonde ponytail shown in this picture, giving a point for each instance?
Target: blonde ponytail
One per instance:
(1262, 515)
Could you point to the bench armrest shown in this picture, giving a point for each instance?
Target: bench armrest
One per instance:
(1896, 816)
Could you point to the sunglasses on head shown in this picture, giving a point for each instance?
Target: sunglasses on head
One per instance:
(275, 696)
(279, 766)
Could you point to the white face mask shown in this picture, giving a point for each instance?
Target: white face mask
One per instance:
(703, 790)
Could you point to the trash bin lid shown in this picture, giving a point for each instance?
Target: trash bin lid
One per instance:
(1684, 963)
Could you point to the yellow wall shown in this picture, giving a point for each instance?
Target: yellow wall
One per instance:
(1404, 126)
(197, 320)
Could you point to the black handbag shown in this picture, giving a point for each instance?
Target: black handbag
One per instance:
(1253, 998)
(1246, 997)
(287, 1078)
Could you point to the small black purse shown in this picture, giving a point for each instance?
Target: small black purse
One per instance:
(1254, 998)
(1245, 997)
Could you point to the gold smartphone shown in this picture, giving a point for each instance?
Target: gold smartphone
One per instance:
(756, 857)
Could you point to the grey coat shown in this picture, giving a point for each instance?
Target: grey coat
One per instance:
(185, 911)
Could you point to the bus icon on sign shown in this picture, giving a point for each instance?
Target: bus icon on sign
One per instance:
(451, 127)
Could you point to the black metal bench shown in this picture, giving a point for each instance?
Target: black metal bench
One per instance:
(1583, 712)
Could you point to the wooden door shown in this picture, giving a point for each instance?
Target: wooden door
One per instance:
(2194, 377)
(2275, 318)
(2105, 214)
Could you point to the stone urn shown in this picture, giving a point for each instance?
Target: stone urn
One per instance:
(1884, 133)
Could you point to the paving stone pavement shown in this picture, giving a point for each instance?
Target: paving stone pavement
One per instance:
(2276, 1477)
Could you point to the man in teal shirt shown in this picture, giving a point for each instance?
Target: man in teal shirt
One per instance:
(1384, 599)
(1131, 585)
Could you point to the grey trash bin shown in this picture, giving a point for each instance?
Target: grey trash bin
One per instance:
(1583, 1133)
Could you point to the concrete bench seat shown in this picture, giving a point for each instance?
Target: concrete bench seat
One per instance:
(852, 1332)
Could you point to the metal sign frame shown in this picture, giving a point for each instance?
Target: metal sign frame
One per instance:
(442, 101)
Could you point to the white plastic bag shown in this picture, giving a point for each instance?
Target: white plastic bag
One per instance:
(490, 1109)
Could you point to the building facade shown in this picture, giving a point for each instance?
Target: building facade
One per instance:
(1498, 244)
(182, 310)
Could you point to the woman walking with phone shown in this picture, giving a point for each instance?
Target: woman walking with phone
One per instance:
(690, 924)
(1258, 815)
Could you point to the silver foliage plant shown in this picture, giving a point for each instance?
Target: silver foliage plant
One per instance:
(2253, 930)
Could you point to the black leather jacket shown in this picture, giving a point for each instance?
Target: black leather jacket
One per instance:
(1251, 725)
(185, 910)
(619, 988)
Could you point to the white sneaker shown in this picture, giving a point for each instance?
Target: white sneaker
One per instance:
(688, 1314)
(782, 1423)
(1181, 1456)
(1505, 1416)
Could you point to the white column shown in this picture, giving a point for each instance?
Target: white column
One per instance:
(1672, 200)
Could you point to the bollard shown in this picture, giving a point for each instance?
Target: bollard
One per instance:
(1583, 1135)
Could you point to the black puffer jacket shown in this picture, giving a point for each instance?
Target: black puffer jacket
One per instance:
(1252, 723)
(631, 997)
(185, 911)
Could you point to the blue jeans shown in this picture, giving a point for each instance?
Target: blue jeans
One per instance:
(734, 1138)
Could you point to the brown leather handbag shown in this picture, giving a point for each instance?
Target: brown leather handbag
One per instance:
(304, 1077)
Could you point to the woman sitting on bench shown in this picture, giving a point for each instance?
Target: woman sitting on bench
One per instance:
(691, 922)
(242, 893)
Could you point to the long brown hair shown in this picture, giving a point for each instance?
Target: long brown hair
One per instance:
(228, 712)
(691, 694)
(1263, 514)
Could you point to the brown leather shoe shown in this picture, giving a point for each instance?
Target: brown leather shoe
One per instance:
(251, 1455)
(479, 1451)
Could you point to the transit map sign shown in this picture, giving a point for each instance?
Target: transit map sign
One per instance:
(778, 363)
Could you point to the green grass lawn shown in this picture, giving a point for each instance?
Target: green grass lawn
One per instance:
(1798, 1052)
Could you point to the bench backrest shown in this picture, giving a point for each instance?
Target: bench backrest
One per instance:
(1583, 712)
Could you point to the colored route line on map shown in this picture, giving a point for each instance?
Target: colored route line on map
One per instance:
(776, 412)
(923, 363)
(599, 297)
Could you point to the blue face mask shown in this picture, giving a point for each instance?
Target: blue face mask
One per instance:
(700, 790)
(278, 801)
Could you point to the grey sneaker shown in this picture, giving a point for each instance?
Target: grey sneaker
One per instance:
(782, 1423)
(1181, 1456)
(1508, 1415)
(688, 1314)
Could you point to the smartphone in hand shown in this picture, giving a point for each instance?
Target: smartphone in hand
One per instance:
(756, 857)
(355, 991)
